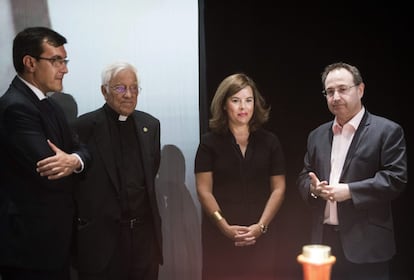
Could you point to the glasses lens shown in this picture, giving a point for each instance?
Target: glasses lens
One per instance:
(121, 89)
(57, 62)
(341, 90)
(134, 89)
(330, 91)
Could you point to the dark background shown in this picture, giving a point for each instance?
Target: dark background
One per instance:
(284, 47)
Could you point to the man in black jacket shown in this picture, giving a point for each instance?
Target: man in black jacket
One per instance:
(39, 159)
(119, 226)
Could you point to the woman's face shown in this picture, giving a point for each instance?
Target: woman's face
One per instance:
(240, 107)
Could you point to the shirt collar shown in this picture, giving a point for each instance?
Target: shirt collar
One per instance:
(36, 91)
(354, 122)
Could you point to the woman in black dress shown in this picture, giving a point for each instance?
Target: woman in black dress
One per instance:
(240, 179)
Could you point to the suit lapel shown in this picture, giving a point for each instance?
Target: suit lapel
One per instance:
(47, 113)
(59, 123)
(356, 142)
(326, 153)
(142, 130)
(104, 145)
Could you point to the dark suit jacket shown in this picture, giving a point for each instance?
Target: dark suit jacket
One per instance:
(376, 170)
(36, 214)
(68, 104)
(97, 198)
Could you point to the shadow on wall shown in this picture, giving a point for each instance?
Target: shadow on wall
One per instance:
(180, 222)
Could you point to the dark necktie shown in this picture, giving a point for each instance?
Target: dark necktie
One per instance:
(47, 107)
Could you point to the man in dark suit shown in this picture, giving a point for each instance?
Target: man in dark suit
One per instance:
(119, 226)
(39, 159)
(354, 167)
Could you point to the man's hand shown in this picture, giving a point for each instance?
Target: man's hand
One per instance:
(58, 166)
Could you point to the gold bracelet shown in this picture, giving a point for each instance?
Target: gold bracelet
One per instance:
(217, 216)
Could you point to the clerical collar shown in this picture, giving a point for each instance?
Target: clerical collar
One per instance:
(114, 115)
(122, 118)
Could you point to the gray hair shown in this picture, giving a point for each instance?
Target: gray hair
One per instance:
(113, 69)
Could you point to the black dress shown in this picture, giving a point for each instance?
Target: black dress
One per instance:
(241, 186)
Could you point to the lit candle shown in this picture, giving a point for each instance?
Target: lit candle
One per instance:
(316, 253)
(316, 261)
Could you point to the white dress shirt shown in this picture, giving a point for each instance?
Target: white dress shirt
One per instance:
(341, 141)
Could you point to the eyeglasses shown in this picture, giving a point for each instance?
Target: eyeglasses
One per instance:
(329, 92)
(122, 89)
(56, 61)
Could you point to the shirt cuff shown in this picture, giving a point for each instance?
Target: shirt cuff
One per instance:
(79, 170)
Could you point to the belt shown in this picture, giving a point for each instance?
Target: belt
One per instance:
(131, 223)
(331, 227)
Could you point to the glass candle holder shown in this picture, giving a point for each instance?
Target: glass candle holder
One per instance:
(316, 262)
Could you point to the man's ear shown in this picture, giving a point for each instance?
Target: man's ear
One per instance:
(104, 91)
(29, 63)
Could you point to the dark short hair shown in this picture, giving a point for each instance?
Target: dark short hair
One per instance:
(29, 42)
(356, 74)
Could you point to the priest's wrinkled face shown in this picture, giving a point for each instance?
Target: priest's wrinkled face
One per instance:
(121, 93)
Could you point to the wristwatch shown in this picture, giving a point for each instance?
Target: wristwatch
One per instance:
(263, 228)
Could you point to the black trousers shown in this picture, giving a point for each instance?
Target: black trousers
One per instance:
(135, 257)
(343, 269)
(13, 273)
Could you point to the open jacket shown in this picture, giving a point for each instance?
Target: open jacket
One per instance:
(375, 169)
